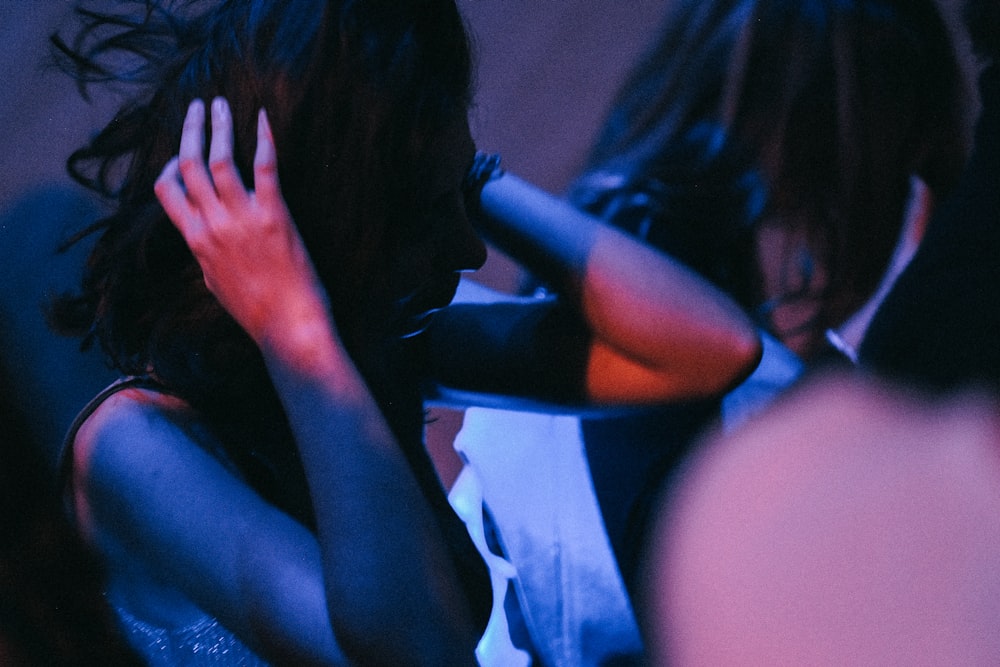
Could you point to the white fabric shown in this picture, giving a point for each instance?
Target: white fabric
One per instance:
(495, 648)
(531, 472)
(779, 368)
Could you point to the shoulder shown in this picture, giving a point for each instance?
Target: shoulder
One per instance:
(134, 415)
(174, 525)
(129, 451)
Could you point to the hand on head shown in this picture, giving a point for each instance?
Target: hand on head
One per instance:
(245, 241)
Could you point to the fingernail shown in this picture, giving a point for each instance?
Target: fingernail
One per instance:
(218, 106)
(264, 124)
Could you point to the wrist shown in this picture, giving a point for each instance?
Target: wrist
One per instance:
(303, 336)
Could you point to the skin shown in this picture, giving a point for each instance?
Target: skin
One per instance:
(659, 332)
(775, 241)
(373, 584)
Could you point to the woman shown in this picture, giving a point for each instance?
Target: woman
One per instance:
(258, 487)
(773, 145)
(782, 149)
(789, 152)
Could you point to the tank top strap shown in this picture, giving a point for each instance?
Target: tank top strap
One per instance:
(64, 477)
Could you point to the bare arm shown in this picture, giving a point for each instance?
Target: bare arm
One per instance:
(391, 596)
(150, 498)
(658, 332)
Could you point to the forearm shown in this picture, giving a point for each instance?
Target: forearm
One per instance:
(392, 595)
(686, 338)
(678, 335)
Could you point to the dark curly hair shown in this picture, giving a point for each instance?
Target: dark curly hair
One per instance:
(817, 111)
(356, 91)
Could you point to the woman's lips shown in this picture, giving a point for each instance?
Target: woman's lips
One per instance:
(429, 299)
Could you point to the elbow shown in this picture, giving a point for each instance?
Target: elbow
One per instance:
(366, 631)
(390, 627)
(749, 348)
(742, 355)
(721, 367)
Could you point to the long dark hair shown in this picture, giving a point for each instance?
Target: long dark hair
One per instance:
(355, 90)
(818, 110)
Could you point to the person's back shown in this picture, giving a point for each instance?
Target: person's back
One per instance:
(865, 534)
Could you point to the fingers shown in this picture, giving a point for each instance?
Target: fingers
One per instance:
(194, 196)
(223, 188)
(227, 180)
(191, 162)
(170, 191)
(265, 166)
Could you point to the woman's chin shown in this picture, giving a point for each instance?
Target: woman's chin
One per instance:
(426, 302)
(416, 325)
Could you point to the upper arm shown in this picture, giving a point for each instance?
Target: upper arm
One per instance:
(146, 492)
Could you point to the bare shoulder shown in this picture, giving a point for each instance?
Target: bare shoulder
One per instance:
(134, 407)
(177, 527)
(128, 455)
(130, 420)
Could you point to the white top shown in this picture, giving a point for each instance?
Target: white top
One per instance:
(530, 471)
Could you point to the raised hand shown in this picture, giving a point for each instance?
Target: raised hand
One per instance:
(250, 252)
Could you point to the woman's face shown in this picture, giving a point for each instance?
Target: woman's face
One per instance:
(446, 244)
(792, 282)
